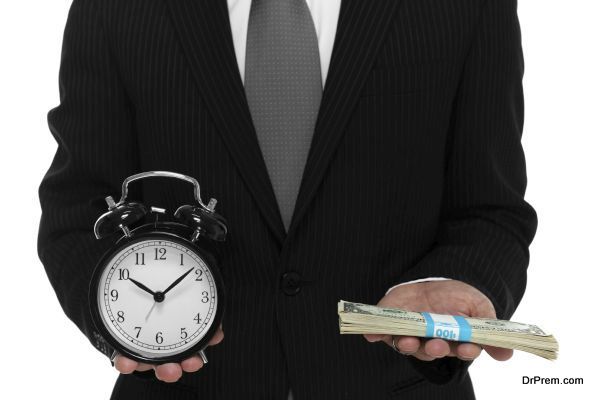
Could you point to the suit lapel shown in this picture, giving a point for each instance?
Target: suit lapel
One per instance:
(361, 29)
(204, 31)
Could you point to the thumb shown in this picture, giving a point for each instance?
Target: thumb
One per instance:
(482, 307)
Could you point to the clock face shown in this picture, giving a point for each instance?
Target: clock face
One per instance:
(157, 297)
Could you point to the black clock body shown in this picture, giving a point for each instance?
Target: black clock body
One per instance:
(206, 249)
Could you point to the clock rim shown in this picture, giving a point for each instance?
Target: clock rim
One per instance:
(144, 232)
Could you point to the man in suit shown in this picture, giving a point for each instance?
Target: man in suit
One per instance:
(374, 155)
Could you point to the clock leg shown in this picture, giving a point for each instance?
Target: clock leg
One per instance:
(113, 356)
(202, 355)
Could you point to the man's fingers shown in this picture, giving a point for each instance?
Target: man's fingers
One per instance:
(436, 348)
(374, 338)
(412, 346)
(467, 351)
(430, 349)
(192, 364)
(170, 372)
(124, 365)
(144, 367)
(217, 337)
(498, 353)
(408, 344)
(422, 355)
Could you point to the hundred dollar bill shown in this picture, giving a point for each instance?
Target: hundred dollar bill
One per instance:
(357, 318)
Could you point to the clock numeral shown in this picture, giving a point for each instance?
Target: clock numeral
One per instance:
(120, 317)
(159, 338)
(123, 274)
(205, 297)
(139, 329)
(160, 253)
(197, 318)
(184, 334)
(199, 273)
(140, 259)
(114, 294)
(181, 262)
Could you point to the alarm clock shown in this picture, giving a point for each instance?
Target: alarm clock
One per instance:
(157, 294)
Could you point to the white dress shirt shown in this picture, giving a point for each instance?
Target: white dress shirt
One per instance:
(325, 17)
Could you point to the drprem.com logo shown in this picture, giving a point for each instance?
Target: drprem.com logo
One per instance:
(538, 380)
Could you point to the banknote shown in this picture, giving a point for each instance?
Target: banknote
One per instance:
(357, 318)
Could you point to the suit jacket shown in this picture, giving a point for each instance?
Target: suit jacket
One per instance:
(415, 170)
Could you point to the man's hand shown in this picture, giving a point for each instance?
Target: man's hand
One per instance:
(170, 372)
(440, 297)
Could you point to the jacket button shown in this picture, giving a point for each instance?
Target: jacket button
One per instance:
(290, 283)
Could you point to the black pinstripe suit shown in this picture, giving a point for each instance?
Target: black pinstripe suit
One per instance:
(415, 170)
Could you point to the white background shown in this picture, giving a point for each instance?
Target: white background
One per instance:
(44, 354)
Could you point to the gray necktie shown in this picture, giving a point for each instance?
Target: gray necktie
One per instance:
(283, 88)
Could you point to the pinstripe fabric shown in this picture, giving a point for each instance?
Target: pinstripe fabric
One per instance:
(415, 170)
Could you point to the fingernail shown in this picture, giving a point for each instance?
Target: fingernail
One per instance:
(436, 356)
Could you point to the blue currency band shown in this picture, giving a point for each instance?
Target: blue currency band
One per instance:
(445, 331)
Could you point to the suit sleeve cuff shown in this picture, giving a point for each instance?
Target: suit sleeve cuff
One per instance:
(437, 278)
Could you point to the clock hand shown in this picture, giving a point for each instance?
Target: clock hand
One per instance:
(142, 286)
(172, 285)
(150, 312)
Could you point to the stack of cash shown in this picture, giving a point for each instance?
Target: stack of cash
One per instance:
(356, 318)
